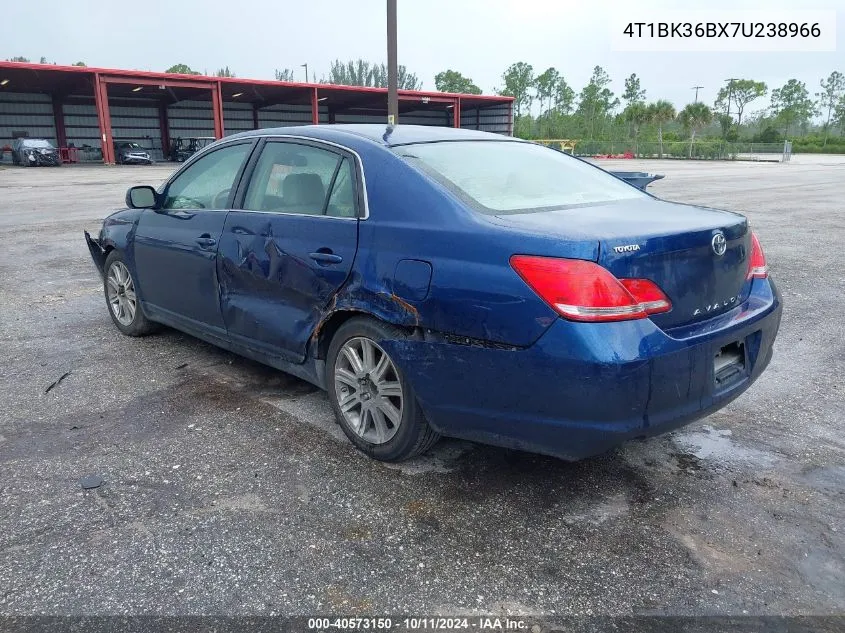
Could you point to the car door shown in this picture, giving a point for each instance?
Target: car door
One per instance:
(175, 245)
(289, 244)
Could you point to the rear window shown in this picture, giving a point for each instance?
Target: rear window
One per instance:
(500, 177)
(36, 142)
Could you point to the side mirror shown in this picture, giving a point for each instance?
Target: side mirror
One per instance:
(143, 197)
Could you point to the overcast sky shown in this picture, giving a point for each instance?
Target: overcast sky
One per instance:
(479, 38)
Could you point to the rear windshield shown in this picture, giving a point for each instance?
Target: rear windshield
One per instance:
(499, 177)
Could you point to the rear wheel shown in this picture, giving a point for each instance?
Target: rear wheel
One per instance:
(374, 403)
(121, 298)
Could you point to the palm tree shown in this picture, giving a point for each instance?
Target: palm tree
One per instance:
(661, 112)
(694, 117)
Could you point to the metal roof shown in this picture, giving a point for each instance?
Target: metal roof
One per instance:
(29, 77)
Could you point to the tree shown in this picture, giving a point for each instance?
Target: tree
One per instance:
(739, 92)
(633, 94)
(661, 112)
(363, 73)
(546, 85)
(453, 81)
(43, 60)
(694, 117)
(791, 104)
(24, 60)
(564, 97)
(284, 75)
(839, 114)
(596, 100)
(224, 72)
(636, 114)
(519, 79)
(82, 64)
(833, 91)
(181, 69)
(725, 122)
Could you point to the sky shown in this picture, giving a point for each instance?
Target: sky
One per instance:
(479, 38)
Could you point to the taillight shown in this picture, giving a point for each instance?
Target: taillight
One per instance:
(584, 291)
(757, 268)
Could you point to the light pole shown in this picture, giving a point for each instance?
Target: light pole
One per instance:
(306, 71)
(392, 70)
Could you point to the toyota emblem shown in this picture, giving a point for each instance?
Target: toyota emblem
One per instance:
(720, 244)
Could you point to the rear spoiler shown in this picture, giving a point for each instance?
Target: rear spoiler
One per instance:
(639, 179)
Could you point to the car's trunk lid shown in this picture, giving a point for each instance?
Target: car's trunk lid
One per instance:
(670, 244)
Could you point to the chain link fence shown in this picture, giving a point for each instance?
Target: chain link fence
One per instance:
(700, 150)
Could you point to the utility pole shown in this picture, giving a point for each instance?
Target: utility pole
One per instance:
(696, 92)
(306, 71)
(392, 68)
(730, 92)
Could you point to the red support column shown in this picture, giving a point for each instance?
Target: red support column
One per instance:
(101, 101)
(59, 118)
(315, 108)
(217, 109)
(456, 121)
(254, 116)
(165, 130)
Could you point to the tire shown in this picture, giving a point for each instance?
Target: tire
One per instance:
(122, 302)
(394, 427)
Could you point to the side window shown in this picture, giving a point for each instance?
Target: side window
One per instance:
(293, 178)
(206, 184)
(342, 198)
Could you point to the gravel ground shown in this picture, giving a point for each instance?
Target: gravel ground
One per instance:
(230, 490)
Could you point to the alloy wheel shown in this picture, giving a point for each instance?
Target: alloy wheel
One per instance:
(121, 293)
(368, 390)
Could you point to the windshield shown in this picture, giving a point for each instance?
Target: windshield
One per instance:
(36, 142)
(130, 146)
(498, 177)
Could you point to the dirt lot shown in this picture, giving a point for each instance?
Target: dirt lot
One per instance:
(229, 489)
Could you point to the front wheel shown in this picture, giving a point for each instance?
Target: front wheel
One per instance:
(121, 297)
(374, 404)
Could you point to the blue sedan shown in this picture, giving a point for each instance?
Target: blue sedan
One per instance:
(441, 282)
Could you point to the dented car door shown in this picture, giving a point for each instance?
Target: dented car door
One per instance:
(288, 245)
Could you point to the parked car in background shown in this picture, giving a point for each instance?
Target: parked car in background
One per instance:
(182, 148)
(440, 281)
(129, 153)
(34, 152)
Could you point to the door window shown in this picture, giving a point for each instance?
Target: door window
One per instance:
(294, 178)
(206, 184)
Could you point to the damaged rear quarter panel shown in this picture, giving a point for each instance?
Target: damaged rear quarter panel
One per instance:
(117, 232)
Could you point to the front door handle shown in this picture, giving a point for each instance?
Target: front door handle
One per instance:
(325, 258)
(206, 241)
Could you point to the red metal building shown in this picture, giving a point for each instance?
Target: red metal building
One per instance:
(90, 108)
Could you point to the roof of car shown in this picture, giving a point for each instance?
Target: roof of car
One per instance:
(382, 134)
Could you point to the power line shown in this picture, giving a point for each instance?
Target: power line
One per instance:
(696, 92)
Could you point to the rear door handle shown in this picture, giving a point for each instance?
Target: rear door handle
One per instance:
(325, 258)
(206, 241)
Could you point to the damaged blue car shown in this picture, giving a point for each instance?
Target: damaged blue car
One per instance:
(442, 282)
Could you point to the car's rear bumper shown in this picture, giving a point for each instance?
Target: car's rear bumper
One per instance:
(583, 388)
(98, 254)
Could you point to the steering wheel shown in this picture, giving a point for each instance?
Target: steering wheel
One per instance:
(219, 201)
